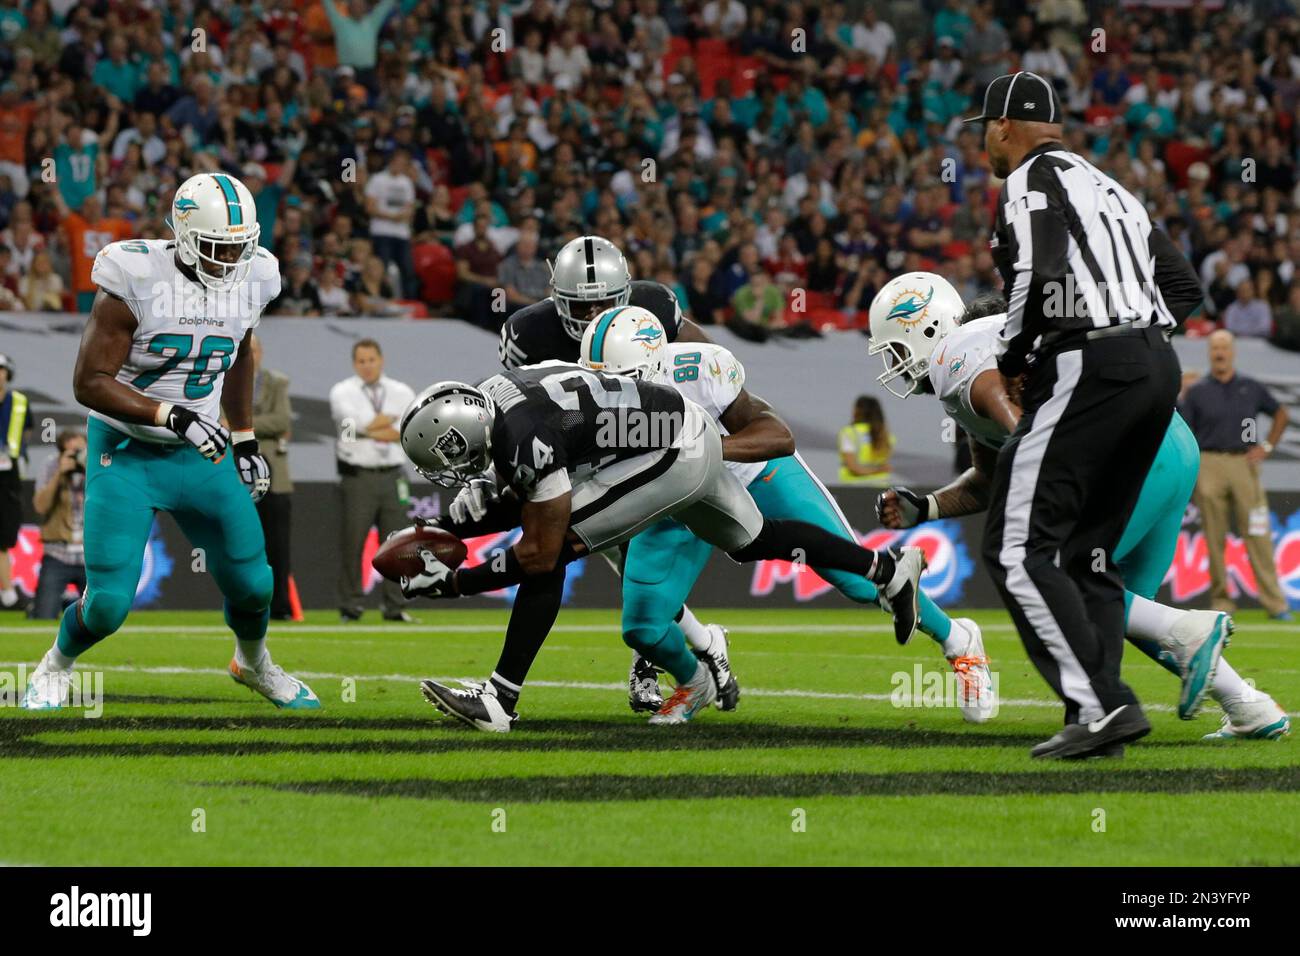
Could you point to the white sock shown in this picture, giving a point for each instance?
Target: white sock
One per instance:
(250, 653)
(58, 660)
(1152, 621)
(954, 645)
(697, 635)
(1229, 685)
(9, 595)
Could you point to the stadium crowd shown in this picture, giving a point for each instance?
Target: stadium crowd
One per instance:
(773, 161)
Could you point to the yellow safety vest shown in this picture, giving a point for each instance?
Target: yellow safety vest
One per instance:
(856, 440)
(17, 418)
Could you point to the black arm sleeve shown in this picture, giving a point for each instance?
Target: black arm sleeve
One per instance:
(1175, 278)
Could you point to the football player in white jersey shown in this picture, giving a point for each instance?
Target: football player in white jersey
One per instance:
(165, 351)
(664, 561)
(932, 344)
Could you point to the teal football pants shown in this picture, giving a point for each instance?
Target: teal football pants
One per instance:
(128, 481)
(664, 561)
(1147, 546)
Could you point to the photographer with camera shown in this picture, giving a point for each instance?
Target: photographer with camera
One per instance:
(60, 500)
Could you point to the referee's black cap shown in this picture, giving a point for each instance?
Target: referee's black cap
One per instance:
(1020, 96)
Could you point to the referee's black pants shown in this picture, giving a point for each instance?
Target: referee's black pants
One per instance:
(1096, 410)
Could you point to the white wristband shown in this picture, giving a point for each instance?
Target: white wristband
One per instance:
(160, 416)
(934, 506)
(240, 436)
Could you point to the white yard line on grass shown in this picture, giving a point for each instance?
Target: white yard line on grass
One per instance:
(570, 685)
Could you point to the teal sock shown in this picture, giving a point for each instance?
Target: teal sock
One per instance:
(74, 640)
(670, 652)
(934, 621)
(250, 632)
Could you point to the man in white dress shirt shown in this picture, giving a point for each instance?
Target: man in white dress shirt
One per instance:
(372, 478)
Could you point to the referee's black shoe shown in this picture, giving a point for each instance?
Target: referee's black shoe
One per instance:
(1121, 725)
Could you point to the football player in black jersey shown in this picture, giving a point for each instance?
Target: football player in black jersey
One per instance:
(590, 275)
(584, 461)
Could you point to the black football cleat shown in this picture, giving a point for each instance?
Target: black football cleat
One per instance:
(643, 694)
(1122, 725)
(903, 592)
(474, 704)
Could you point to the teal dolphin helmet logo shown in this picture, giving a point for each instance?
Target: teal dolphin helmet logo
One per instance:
(648, 334)
(909, 308)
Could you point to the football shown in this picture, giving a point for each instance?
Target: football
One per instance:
(399, 556)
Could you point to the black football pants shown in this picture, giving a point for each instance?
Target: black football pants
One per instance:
(1096, 411)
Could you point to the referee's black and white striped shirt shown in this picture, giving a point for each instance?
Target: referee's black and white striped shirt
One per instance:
(1075, 250)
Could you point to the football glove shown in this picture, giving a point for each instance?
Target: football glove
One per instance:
(470, 503)
(435, 582)
(209, 437)
(254, 471)
(913, 509)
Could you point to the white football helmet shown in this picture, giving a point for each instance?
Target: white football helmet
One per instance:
(908, 318)
(215, 221)
(625, 340)
(446, 431)
(589, 273)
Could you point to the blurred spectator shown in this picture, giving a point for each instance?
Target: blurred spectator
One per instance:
(724, 18)
(60, 503)
(298, 292)
(272, 424)
(1248, 315)
(756, 308)
(41, 289)
(434, 220)
(334, 298)
(77, 159)
(390, 203)
(356, 33)
(15, 427)
(87, 232)
(1286, 322)
(866, 445)
(525, 278)
(372, 293)
(477, 262)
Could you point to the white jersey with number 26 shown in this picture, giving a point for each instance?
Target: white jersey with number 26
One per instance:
(186, 335)
(711, 377)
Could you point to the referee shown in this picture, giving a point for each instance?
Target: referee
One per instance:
(1087, 327)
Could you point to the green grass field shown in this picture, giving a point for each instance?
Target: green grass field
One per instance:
(817, 766)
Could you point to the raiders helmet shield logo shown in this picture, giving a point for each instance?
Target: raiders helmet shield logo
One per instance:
(451, 447)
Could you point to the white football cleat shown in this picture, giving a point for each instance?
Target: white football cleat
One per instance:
(275, 684)
(978, 698)
(715, 659)
(689, 699)
(47, 688)
(1196, 643)
(1257, 719)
